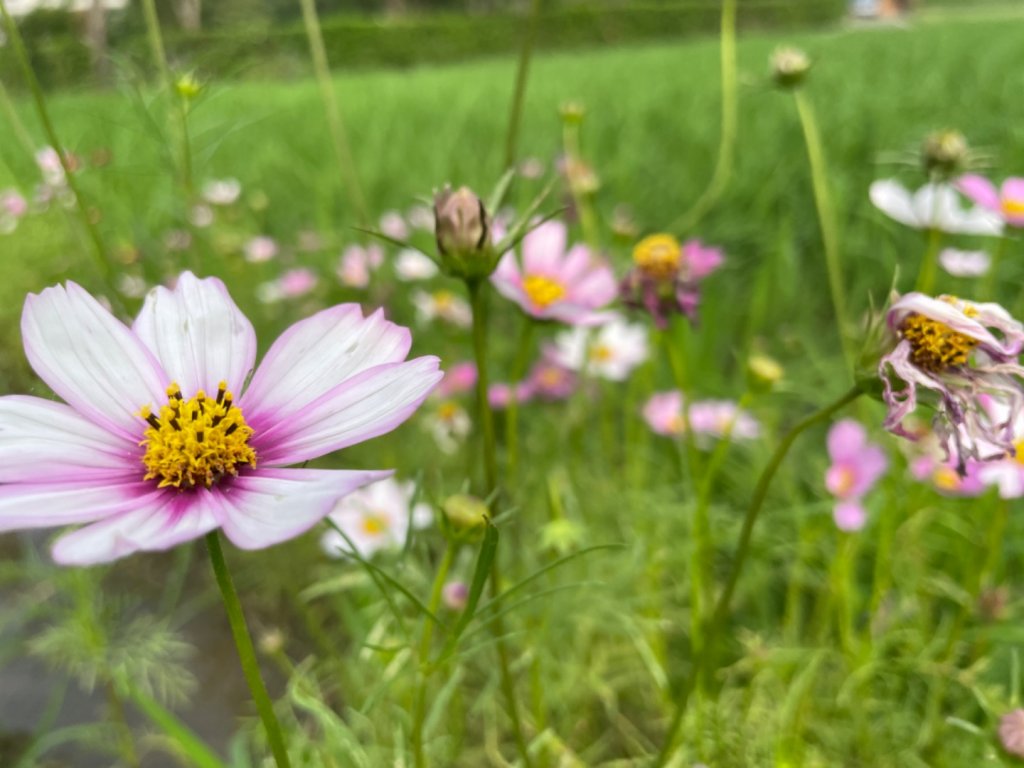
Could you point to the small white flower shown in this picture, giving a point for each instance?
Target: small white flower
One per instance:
(449, 425)
(393, 225)
(412, 265)
(443, 305)
(933, 206)
(375, 517)
(965, 263)
(222, 191)
(612, 352)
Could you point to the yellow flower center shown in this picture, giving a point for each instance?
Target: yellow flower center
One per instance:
(946, 479)
(658, 256)
(447, 411)
(844, 481)
(444, 300)
(543, 291)
(374, 524)
(935, 346)
(196, 442)
(601, 353)
(1012, 206)
(1018, 448)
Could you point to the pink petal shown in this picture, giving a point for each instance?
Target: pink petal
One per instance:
(96, 364)
(365, 406)
(980, 190)
(274, 505)
(43, 505)
(44, 441)
(316, 355)
(198, 334)
(543, 248)
(849, 516)
(576, 264)
(163, 520)
(846, 438)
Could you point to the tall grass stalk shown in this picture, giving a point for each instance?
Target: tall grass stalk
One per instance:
(515, 112)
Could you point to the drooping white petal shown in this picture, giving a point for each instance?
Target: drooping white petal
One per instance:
(371, 404)
(89, 358)
(44, 441)
(198, 334)
(274, 505)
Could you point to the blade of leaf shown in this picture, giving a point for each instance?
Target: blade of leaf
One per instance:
(190, 744)
(488, 549)
(396, 242)
(497, 196)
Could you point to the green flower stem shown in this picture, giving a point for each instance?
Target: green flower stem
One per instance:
(987, 290)
(107, 269)
(191, 745)
(930, 263)
(335, 123)
(730, 125)
(124, 732)
(580, 197)
(420, 708)
(512, 411)
(828, 221)
(16, 125)
(715, 625)
(246, 651)
(843, 585)
(515, 113)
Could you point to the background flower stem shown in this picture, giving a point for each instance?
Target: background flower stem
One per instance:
(515, 112)
(519, 365)
(246, 651)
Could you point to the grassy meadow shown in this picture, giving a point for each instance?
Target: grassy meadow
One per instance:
(892, 646)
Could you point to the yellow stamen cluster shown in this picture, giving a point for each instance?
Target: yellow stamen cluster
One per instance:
(601, 353)
(658, 256)
(543, 291)
(196, 442)
(1012, 206)
(375, 524)
(935, 346)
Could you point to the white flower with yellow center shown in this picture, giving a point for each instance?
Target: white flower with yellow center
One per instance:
(378, 516)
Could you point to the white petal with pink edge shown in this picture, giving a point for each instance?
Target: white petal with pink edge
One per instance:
(371, 404)
(198, 334)
(260, 510)
(44, 441)
(41, 505)
(89, 358)
(157, 523)
(315, 356)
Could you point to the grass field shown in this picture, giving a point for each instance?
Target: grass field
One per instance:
(873, 649)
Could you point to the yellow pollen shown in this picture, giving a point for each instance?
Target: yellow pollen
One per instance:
(845, 481)
(444, 300)
(935, 346)
(195, 442)
(374, 524)
(447, 411)
(1012, 206)
(543, 291)
(601, 353)
(1019, 451)
(658, 256)
(946, 479)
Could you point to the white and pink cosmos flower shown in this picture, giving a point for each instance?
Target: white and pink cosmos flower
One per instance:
(160, 441)
(960, 263)
(377, 517)
(720, 419)
(357, 263)
(856, 467)
(965, 353)
(554, 284)
(933, 206)
(611, 352)
(1006, 201)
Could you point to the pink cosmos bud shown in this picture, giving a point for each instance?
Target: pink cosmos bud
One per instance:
(462, 227)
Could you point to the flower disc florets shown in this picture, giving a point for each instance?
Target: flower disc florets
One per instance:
(967, 354)
(196, 442)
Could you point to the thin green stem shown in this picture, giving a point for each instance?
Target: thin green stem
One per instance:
(742, 550)
(124, 732)
(198, 753)
(580, 195)
(730, 125)
(335, 123)
(478, 303)
(420, 708)
(987, 291)
(16, 125)
(246, 651)
(522, 359)
(106, 268)
(827, 219)
(156, 43)
(930, 263)
(515, 112)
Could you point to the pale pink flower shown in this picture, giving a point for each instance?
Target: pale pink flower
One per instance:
(856, 467)
(553, 284)
(455, 595)
(942, 474)
(499, 394)
(964, 263)
(260, 248)
(1011, 732)
(664, 414)
(611, 352)
(393, 225)
(421, 217)
(1007, 202)
(412, 265)
(933, 206)
(13, 203)
(222, 191)
(48, 162)
(201, 216)
(375, 517)
(442, 305)
(458, 380)
(531, 168)
(548, 380)
(159, 444)
(358, 263)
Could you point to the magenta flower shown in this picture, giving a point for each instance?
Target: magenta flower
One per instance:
(548, 380)
(947, 346)
(1006, 201)
(856, 467)
(554, 284)
(159, 444)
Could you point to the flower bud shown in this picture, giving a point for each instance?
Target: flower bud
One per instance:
(789, 66)
(462, 227)
(572, 112)
(763, 373)
(465, 513)
(187, 86)
(271, 642)
(945, 153)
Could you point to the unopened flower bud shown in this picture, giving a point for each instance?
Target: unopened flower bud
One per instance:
(187, 86)
(465, 512)
(271, 642)
(945, 153)
(789, 66)
(763, 373)
(572, 112)
(462, 227)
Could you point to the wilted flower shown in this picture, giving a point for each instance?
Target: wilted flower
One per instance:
(964, 263)
(222, 191)
(1007, 201)
(789, 66)
(260, 249)
(944, 153)
(947, 345)
(664, 413)
(579, 174)
(1011, 732)
(358, 263)
(412, 265)
(462, 228)
(553, 284)
(144, 456)
(443, 305)
(933, 206)
(665, 276)
(611, 352)
(856, 467)
(393, 225)
(375, 517)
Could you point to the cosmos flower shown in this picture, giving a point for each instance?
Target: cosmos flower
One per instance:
(375, 517)
(160, 442)
(1007, 202)
(960, 351)
(293, 284)
(663, 413)
(48, 162)
(964, 263)
(260, 249)
(12, 207)
(412, 265)
(611, 352)
(1011, 732)
(449, 424)
(855, 468)
(442, 305)
(933, 206)
(358, 263)
(222, 191)
(665, 276)
(547, 380)
(499, 394)
(458, 379)
(393, 225)
(553, 284)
